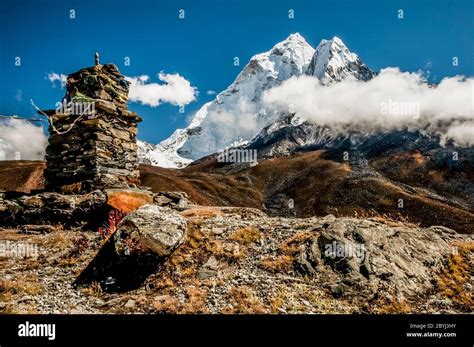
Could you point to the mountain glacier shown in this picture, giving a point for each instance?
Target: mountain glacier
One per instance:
(237, 114)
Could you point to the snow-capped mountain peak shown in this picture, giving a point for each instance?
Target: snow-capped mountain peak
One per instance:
(237, 113)
(286, 58)
(332, 62)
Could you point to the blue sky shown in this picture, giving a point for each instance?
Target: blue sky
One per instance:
(202, 46)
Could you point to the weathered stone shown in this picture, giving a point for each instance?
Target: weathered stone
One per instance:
(209, 269)
(366, 256)
(151, 228)
(176, 200)
(102, 94)
(37, 229)
(106, 106)
(120, 134)
(129, 146)
(162, 200)
(74, 188)
(204, 273)
(31, 201)
(129, 114)
(97, 122)
(127, 200)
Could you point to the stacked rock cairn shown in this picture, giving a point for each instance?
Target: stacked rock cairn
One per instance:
(93, 135)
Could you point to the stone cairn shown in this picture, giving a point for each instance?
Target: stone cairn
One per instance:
(93, 135)
(92, 172)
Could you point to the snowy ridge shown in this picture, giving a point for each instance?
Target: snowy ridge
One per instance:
(332, 62)
(165, 153)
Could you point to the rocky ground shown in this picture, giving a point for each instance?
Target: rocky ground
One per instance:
(239, 260)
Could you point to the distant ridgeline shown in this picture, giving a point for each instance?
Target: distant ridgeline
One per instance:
(93, 135)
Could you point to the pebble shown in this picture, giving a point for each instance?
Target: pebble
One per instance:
(130, 303)
(25, 298)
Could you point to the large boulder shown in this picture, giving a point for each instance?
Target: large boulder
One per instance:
(150, 228)
(365, 259)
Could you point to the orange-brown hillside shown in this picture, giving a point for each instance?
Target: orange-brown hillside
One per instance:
(399, 189)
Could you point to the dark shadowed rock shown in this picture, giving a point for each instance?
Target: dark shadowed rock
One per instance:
(51, 208)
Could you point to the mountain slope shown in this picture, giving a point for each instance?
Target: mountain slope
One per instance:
(165, 153)
(432, 192)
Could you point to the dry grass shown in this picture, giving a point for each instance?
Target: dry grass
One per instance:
(7, 234)
(14, 289)
(281, 263)
(202, 212)
(21, 175)
(277, 300)
(94, 289)
(244, 300)
(458, 273)
(387, 219)
(394, 306)
(200, 246)
(230, 251)
(166, 304)
(29, 286)
(184, 261)
(195, 302)
(59, 239)
(294, 244)
(160, 283)
(246, 236)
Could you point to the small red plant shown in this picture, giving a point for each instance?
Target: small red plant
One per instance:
(110, 226)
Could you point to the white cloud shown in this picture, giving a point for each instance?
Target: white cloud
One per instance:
(391, 100)
(211, 92)
(229, 125)
(20, 139)
(55, 77)
(461, 133)
(175, 90)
